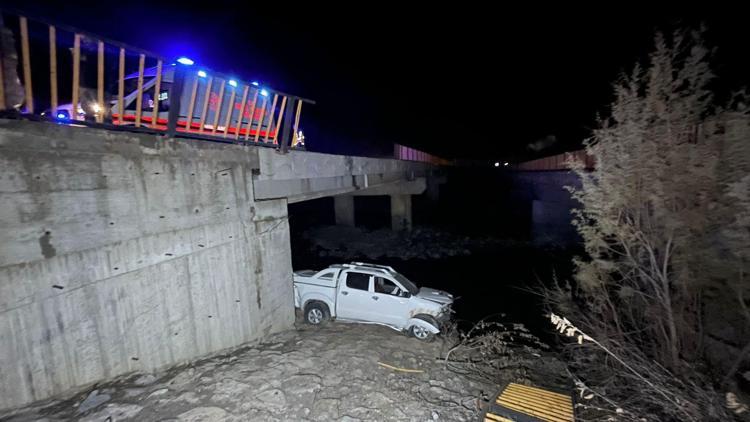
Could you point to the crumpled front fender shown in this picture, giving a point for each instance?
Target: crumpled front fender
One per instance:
(422, 323)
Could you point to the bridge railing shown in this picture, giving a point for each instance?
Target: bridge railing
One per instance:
(401, 152)
(557, 162)
(70, 76)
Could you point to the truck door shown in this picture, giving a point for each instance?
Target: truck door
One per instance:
(354, 298)
(388, 305)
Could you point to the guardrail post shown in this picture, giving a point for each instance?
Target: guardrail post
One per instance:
(175, 99)
(286, 126)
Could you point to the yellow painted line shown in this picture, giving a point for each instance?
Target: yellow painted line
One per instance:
(538, 391)
(541, 411)
(493, 417)
(564, 408)
(533, 412)
(537, 409)
(551, 411)
(555, 405)
(546, 399)
(560, 408)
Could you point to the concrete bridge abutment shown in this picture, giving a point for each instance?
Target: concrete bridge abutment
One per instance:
(127, 252)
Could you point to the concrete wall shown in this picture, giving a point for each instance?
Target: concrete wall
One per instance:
(122, 252)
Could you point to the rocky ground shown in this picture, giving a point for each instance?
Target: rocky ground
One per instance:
(333, 373)
(340, 372)
(420, 243)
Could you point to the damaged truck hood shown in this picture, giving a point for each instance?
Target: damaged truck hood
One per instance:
(434, 295)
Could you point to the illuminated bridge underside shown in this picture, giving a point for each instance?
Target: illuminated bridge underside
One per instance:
(300, 176)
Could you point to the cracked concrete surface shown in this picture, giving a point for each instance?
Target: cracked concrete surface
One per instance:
(311, 374)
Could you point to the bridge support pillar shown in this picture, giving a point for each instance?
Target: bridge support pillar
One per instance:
(401, 212)
(343, 206)
(433, 187)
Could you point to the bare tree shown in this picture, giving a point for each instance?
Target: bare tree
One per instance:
(664, 218)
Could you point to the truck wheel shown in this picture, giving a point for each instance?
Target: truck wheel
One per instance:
(316, 313)
(421, 333)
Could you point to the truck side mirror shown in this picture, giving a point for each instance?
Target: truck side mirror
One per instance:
(404, 293)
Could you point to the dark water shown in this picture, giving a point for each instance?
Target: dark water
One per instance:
(496, 279)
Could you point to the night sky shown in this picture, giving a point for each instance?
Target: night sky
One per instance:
(455, 80)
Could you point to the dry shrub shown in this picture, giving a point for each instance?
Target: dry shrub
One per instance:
(614, 382)
(665, 220)
(493, 353)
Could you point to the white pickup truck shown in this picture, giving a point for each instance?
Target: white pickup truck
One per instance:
(372, 294)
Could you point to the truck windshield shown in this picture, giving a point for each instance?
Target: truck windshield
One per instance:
(408, 285)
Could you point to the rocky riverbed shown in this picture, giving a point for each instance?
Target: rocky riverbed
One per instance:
(340, 372)
(421, 243)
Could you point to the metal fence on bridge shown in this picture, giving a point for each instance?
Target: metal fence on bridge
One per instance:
(401, 152)
(557, 162)
(73, 77)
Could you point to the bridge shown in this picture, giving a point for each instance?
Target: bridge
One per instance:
(126, 252)
(131, 247)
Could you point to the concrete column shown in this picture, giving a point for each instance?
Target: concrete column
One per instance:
(433, 188)
(343, 206)
(401, 212)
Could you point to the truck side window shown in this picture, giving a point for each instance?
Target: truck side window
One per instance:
(327, 276)
(357, 281)
(385, 286)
